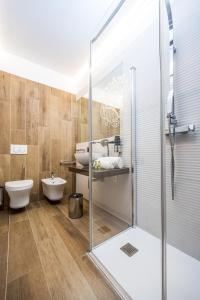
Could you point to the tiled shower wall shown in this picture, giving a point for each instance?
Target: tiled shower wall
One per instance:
(183, 214)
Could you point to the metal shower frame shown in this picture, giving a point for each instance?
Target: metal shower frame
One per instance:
(162, 143)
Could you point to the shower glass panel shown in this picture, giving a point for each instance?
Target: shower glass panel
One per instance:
(112, 182)
(183, 212)
(125, 200)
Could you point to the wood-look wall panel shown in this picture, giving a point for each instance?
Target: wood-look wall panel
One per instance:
(84, 132)
(32, 112)
(50, 122)
(18, 103)
(44, 149)
(18, 136)
(56, 92)
(32, 169)
(75, 127)
(44, 107)
(56, 156)
(64, 138)
(74, 107)
(44, 118)
(4, 86)
(84, 111)
(67, 107)
(32, 90)
(32, 121)
(68, 140)
(17, 167)
(55, 124)
(5, 127)
(4, 168)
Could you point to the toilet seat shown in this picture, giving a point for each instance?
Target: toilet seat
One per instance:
(19, 192)
(18, 185)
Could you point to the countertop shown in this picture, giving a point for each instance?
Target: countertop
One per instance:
(98, 174)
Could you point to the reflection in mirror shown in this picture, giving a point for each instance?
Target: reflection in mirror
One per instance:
(107, 99)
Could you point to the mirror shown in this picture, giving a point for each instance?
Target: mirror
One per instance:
(107, 97)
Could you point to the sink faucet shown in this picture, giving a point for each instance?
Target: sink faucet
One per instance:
(52, 175)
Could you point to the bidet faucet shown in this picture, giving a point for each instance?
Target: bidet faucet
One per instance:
(52, 175)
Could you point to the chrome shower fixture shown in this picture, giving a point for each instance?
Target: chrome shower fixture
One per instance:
(172, 121)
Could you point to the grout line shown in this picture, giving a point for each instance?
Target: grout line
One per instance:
(39, 255)
(8, 248)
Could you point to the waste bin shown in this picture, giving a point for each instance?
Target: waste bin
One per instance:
(76, 206)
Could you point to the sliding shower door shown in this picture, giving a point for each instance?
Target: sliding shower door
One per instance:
(125, 168)
(144, 148)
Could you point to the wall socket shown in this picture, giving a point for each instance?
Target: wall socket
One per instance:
(18, 149)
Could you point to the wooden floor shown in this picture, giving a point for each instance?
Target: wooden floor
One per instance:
(43, 253)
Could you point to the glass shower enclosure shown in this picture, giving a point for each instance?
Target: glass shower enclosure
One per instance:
(144, 139)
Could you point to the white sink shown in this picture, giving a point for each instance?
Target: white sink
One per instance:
(83, 157)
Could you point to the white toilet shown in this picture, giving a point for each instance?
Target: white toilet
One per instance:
(19, 192)
(53, 188)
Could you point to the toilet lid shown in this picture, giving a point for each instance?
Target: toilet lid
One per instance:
(19, 183)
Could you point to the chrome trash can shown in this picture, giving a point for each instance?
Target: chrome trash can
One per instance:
(75, 205)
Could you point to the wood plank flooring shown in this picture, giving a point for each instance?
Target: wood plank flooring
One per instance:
(43, 253)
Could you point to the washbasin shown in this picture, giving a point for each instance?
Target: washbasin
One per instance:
(83, 157)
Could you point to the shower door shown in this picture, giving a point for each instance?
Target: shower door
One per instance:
(125, 185)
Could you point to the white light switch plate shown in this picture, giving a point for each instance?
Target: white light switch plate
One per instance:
(18, 149)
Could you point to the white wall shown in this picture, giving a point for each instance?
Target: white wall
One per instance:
(24, 68)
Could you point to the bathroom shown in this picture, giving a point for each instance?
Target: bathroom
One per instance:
(99, 149)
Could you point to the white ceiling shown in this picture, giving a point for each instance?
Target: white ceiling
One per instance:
(53, 34)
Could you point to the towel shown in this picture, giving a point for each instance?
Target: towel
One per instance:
(108, 163)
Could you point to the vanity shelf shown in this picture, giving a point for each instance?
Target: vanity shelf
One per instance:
(97, 174)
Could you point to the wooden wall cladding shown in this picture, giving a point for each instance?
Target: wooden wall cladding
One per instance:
(46, 120)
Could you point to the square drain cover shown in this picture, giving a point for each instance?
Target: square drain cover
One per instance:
(104, 229)
(129, 249)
